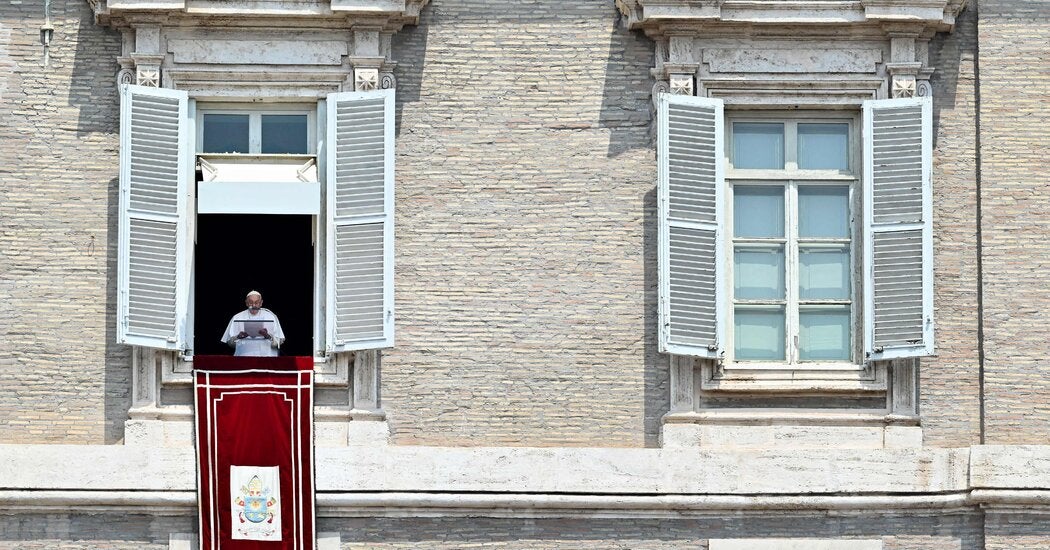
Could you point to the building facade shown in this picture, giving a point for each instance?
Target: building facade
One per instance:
(633, 274)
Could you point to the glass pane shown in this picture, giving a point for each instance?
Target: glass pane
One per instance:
(225, 134)
(284, 134)
(758, 145)
(759, 334)
(758, 211)
(823, 274)
(824, 334)
(823, 211)
(758, 273)
(823, 146)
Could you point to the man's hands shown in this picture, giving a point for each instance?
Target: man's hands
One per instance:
(262, 332)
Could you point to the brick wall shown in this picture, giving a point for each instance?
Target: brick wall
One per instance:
(1013, 531)
(526, 284)
(949, 382)
(1015, 148)
(73, 531)
(914, 531)
(898, 532)
(63, 378)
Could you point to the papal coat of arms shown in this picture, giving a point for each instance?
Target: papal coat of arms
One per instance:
(255, 511)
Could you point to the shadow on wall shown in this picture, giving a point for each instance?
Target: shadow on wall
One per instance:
(409, 49)
(93, 92)
(657, 365)
(627, 114)
(946, 56)
(627, 99)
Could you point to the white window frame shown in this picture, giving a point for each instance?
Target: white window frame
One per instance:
(853, 375)
(255, 113)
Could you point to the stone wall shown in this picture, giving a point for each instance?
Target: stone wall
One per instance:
(896, 531)
(1015, 146)
(63, 377)
(75, 531)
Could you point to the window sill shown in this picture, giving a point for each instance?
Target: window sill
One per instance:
(792, 417)
(327, 371)
(817, 378)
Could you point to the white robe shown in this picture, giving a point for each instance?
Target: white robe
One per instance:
(254, 345)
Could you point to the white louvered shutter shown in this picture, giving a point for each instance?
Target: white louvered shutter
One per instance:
(155, 165)
(360, 220)
(898, 228)
(691, 186)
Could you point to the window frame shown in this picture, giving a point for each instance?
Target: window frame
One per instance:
(255, 113)
(789, 178)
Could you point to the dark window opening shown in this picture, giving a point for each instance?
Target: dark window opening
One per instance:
(237, 253)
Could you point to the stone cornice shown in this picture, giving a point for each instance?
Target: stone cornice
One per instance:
(556, 482)
(390, 15)
(657, 17)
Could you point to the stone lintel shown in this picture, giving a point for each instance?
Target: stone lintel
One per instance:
(659, 17)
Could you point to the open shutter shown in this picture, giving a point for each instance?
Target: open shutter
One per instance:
(691, 187)
(155, 166)
(360, 220)
(898, 228)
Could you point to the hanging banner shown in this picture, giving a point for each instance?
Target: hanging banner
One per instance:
(255, 484)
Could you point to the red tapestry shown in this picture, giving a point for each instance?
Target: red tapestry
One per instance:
(255, 483)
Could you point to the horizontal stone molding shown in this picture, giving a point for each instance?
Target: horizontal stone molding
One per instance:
(520, 505)
(535, 470)
(398, 12)
(554, 482)
(795, 418)
(659, 16)
(262, 52)
(794, 60)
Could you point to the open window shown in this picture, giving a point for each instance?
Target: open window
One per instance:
(243, 189)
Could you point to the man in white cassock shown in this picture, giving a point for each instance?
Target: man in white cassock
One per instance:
(268, 335)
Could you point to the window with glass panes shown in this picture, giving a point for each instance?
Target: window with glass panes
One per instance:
(792, 184)
(267, 133)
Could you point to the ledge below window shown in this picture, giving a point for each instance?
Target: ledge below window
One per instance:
(867, 378)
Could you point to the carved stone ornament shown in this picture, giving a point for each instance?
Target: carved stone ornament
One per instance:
(660, 87)
(682, 84)
(903, 86)
(148, 76)
(923, 88)
(366, 79)
(387, 81)
(125, 76)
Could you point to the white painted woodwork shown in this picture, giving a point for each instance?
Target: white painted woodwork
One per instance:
(155, 170)
(898, 230)
(691, 225)
(259, 198)
(258, 168)
(360, 220)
